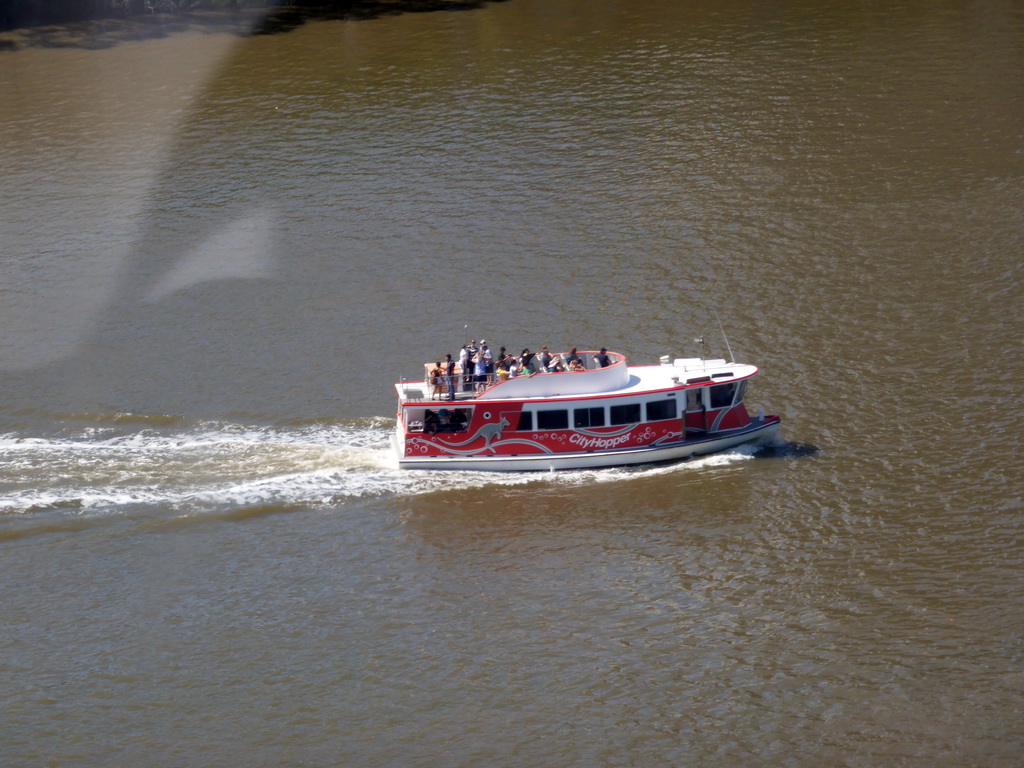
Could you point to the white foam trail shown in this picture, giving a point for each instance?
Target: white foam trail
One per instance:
(102, 470)
(206, 465)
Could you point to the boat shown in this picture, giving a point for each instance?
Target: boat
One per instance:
(601, 416)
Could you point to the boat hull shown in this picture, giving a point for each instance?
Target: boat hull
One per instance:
(763, 430)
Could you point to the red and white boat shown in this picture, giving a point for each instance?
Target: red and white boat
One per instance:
(598, 417)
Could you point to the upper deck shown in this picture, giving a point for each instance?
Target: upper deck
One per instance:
(618, 378)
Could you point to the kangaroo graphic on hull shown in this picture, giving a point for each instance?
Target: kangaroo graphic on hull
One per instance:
(488, 432)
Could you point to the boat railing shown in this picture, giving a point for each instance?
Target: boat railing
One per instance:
(538, 383)
(424, 392)
(592, 379)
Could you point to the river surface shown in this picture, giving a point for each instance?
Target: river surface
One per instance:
(218, 253)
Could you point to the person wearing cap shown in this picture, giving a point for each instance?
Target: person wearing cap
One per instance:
(602, 358)
(502, 370)
(488, 361)
(480, 360)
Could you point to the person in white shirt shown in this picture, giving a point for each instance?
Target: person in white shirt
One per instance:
(464, 358)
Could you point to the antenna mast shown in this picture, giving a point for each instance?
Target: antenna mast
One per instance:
(732, 358)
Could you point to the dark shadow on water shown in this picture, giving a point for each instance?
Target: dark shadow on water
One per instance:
(102, 32)
(786, 451)
(286, 19)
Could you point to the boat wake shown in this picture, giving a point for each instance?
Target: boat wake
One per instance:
(117, 466)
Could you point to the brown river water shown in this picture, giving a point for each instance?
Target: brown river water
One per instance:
(219, 252)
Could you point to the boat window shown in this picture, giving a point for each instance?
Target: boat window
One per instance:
(721, 395)
(447, 420)
(461, 418)
(552, 419)
(525, 421)
(694, 399)
(414, 419)
(624, 414)
(741, 391)
(657, 410)
(588, 417)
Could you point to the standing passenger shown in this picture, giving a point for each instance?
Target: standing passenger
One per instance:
(464, 366)
(488, 361)
(467, 379)
(480, 368)
(436, 380)
(602, 358)
(449, 375)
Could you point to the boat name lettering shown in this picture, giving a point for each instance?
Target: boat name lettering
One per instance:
(598, 442)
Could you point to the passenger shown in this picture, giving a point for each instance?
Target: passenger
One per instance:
(449, 376)
(545, 359)
(488, 361)
(576, 365)
(469, 378)
(480, 368)
(525, 359)
(556, 365)
(515, 369)
(572, 357)
(602, 358)
(503, 369)
(436, 380)
(464, 358)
